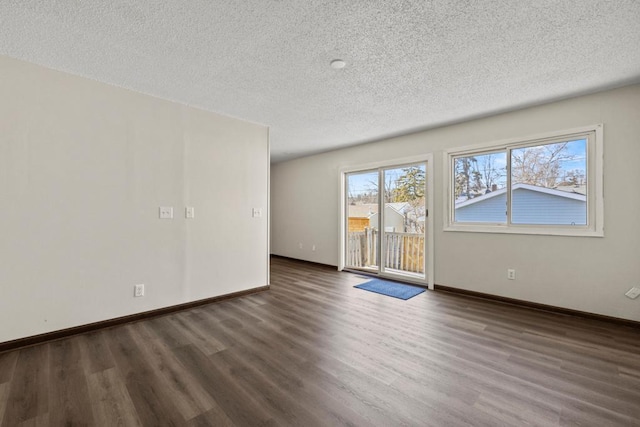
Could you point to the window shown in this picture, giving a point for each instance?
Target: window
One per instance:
(549, 184)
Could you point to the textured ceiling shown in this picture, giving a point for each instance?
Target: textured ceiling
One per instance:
(410, 64)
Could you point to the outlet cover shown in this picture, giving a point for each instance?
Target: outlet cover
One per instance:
(511, 274)
(189, 212)
(633, 293)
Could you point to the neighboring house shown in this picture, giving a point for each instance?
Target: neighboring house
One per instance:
(366, 216)
(358, 224)
(359, 216)
(394, 217)
(558, 207)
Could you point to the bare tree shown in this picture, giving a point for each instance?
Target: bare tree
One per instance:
(574, 177)
(491, 175)
(464, 167)
(540, 165)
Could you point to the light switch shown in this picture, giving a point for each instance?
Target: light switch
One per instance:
(166, 212)
(633, 293)
(189, 212)
(256, 212)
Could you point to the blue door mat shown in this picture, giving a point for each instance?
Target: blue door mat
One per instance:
(391, 289)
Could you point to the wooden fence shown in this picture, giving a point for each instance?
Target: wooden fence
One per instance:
(402, 251)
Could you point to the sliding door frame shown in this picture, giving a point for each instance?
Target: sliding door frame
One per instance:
(429, 237)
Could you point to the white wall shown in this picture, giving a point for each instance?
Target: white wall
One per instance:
(84, 167)
(588, 274)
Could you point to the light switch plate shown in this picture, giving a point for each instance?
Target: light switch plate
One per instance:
(166, 212)
(138, 290)
(633, 293)
(189, 212)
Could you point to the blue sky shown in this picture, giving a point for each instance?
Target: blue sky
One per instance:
(359, 183)
(577, 148)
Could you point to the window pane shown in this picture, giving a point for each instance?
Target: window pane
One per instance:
(480, 188)
(404, 220)
(362, 220)
(549, 184)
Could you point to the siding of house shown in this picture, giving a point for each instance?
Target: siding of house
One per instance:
(529, 207)
(358, 224)
(532, 207)
(493, 209)
(393, 220)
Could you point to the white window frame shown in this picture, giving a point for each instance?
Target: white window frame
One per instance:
(595, 184)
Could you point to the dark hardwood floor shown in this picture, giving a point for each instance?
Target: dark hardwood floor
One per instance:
(315, 351)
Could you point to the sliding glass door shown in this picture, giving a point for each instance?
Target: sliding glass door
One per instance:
(386, 221)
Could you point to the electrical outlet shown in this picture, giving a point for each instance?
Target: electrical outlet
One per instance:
(511, 274)
(138, 290)
(313, 248)
(633, 293)
(299, 245)
(256, 212)
(189, 212)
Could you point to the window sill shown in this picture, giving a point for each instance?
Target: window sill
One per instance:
(542, 230)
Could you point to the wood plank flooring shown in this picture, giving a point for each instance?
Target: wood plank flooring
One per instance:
(314, 351)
